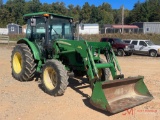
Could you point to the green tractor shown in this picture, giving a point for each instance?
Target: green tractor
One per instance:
(51, 48)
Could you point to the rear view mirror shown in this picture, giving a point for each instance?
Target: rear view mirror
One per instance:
(33, 22)
(145, 45)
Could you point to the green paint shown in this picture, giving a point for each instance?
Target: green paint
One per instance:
(39, 66)
(33, 47)
(40, 14)
(69, 48)
(104, 65)
(98, 98)
(141, 88)
(34, 50)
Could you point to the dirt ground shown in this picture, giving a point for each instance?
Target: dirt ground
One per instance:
(26, 100)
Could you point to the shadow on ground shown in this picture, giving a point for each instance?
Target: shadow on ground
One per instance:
(77, 85)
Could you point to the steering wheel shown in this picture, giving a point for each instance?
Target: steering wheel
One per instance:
(55, 36)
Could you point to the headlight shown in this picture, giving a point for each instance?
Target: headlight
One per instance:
(126, 47)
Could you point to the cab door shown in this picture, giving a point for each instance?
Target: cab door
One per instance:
(36, 30)
(143, 47)
(112, 42)
(136, 46)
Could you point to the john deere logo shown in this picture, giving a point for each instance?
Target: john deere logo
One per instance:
(64, 43)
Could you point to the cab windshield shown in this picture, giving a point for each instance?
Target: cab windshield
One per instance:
(60, 28)
(149, 43)
(119, 41)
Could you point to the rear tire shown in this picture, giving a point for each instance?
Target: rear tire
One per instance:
(153, 53)
(54, 78)
(22, 63)
(120, 52)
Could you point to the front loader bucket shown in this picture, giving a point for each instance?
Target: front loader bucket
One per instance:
(119, 95)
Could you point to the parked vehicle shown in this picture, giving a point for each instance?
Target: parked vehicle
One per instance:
(145, 47)
(119, 46)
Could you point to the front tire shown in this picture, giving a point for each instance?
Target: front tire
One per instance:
(54, 78)
(22, 63)
(153, 53)
(120, 52)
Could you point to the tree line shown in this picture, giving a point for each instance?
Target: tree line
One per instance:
(13, 10)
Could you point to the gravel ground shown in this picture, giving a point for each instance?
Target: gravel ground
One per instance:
(26, 100)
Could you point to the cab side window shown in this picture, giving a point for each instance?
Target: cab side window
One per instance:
(142, 43)
(28, 30)
(126, 41)
(39, 32)
(134, 42)
(36, 32)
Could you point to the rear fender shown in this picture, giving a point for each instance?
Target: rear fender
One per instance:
(32, 46)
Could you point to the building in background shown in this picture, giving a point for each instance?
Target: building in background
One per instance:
(24, 27)
(149, 27)
(89, 29)
(118, 29)
(14, 28)
(3, 31)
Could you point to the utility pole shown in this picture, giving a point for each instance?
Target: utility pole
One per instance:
(122, 19)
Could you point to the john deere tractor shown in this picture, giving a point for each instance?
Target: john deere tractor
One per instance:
(51, 48)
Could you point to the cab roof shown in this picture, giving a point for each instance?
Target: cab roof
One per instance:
(40, 14)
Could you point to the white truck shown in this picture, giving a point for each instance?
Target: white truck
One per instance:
(144, 47)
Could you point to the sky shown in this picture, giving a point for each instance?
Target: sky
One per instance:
(115, 4)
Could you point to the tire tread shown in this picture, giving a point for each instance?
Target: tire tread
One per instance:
(29, 65)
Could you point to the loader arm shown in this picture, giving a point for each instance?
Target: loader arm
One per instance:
(112, 95)
(87, 51)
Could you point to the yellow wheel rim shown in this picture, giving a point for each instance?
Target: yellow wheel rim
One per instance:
(50, 78)
(17, 62)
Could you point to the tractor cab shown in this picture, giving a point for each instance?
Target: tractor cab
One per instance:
(46, 27)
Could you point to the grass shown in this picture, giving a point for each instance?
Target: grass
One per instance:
(154, 37)
(15, 37)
